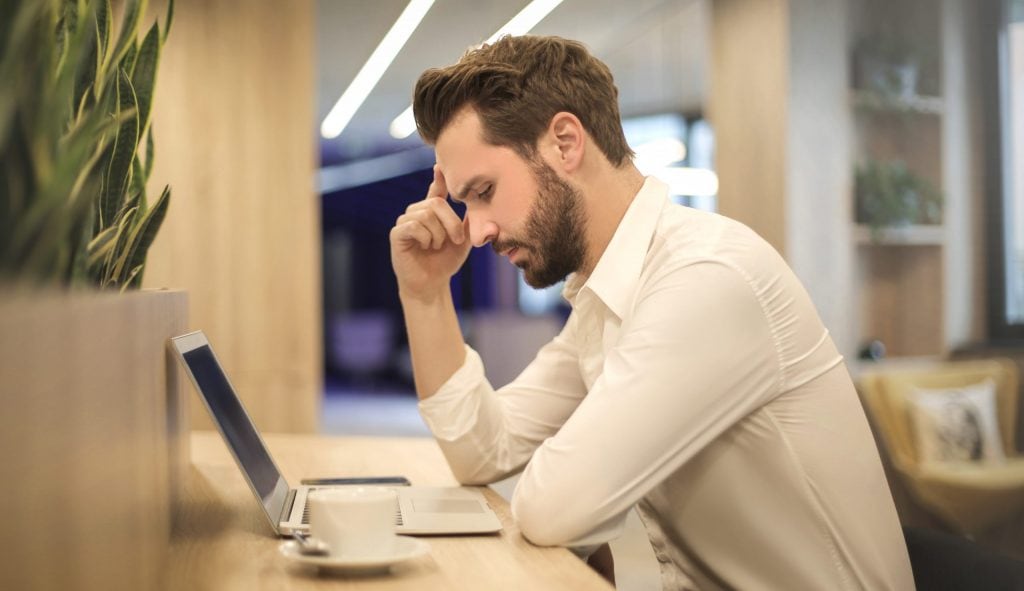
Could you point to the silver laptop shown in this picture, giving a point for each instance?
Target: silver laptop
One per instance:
(421, 510)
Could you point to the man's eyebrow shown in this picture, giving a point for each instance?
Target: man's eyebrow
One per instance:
(461, 195)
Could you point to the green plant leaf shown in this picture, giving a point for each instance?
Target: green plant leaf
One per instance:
(47, 255)
(146, 231)
(104, 24)
(103, 243)
(86, 69)
(118, 256)
(150, 153)
(67, 25)
(138, 184)
(29, 246)
(133, 280)
(133, 11)
(79, 274)
(128, 61)
(125, 145)
(131, 204)
(70, 133)
(144, 77)
(169, 19)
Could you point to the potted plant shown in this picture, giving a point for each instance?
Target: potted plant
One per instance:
(889, 195)
(74, 112)
(91, 406)
(894, 63)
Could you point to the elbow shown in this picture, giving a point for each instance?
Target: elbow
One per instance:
(471, 467)
(471, 478)
(544, 522)
(568, 516)
(470, 473)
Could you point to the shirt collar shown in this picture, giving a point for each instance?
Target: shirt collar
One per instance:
(617, 272)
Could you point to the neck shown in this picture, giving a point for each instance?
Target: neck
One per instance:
(608, 192)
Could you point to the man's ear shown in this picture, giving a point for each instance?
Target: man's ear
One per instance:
(566, 141)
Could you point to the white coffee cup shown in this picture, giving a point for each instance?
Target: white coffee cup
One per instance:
(355, 522)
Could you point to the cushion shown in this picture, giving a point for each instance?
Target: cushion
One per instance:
(956, 424)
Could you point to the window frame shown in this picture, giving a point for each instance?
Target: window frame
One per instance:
(995, 54)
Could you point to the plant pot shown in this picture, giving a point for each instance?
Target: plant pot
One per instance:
(887, 78)
(95, 438)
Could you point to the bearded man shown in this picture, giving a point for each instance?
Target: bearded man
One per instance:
(693, 379)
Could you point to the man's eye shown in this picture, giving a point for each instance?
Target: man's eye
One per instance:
(486, 193)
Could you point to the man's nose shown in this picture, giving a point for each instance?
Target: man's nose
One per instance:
(481, 229)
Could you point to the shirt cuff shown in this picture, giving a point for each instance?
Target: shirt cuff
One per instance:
(451, 412)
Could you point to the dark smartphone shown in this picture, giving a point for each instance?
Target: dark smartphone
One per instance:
(389, 480)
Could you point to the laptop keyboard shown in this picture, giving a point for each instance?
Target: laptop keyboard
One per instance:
(398, 512)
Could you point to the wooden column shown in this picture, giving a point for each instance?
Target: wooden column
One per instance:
(778, 104)
(235, 138)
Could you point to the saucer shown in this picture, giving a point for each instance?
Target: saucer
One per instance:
(405, 549)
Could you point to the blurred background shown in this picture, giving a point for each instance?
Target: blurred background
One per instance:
(876, 144)
(370, 172)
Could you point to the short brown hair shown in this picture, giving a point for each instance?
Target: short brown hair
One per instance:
(516, 85)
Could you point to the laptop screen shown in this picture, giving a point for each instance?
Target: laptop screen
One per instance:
(238, 430)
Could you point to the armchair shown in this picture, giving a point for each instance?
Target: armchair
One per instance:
(968, 496)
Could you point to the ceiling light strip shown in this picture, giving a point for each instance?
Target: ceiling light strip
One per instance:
(343, 110)
(405, 124)
(528, 17)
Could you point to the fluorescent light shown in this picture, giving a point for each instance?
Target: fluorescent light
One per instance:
(659, 153)
(528, 17)
(343, 110)
(697, 182)
(405, 124)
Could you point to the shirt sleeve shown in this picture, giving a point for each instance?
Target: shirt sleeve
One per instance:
(696, 356)
(486, 435)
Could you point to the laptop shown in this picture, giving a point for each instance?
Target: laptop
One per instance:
(420, 511)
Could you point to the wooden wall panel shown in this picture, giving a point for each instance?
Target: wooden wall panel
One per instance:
(902, 298)
(748, 108)
(235, 137)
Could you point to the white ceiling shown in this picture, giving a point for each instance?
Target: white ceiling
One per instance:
(656, 49)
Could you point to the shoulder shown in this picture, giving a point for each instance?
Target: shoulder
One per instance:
(686, 236)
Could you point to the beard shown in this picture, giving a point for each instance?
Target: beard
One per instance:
(554, 231)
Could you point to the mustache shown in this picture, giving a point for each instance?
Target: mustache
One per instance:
(506, 245)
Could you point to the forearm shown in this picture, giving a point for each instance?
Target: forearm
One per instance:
(435, 340)
(485, 435)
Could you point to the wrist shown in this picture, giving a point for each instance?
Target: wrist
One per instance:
(423, 298)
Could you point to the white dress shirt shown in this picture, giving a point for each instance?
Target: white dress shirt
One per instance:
(695, 381)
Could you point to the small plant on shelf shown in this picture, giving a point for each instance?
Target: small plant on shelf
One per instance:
(895, 65)
(890, 195)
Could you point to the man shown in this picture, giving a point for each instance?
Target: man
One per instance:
(693, 379)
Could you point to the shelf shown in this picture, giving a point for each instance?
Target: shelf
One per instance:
(920, 235)
(873, 101)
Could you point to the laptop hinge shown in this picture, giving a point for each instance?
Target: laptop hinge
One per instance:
(286, 511)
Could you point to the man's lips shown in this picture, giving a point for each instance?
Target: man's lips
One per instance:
(509, 251)
(510, 254)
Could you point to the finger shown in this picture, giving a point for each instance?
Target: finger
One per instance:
(414, 232)
(428, 218)
(418, 206)
(436, 229)
(439, 187)
(453, 226)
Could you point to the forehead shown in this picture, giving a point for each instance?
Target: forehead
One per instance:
(463, 155)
